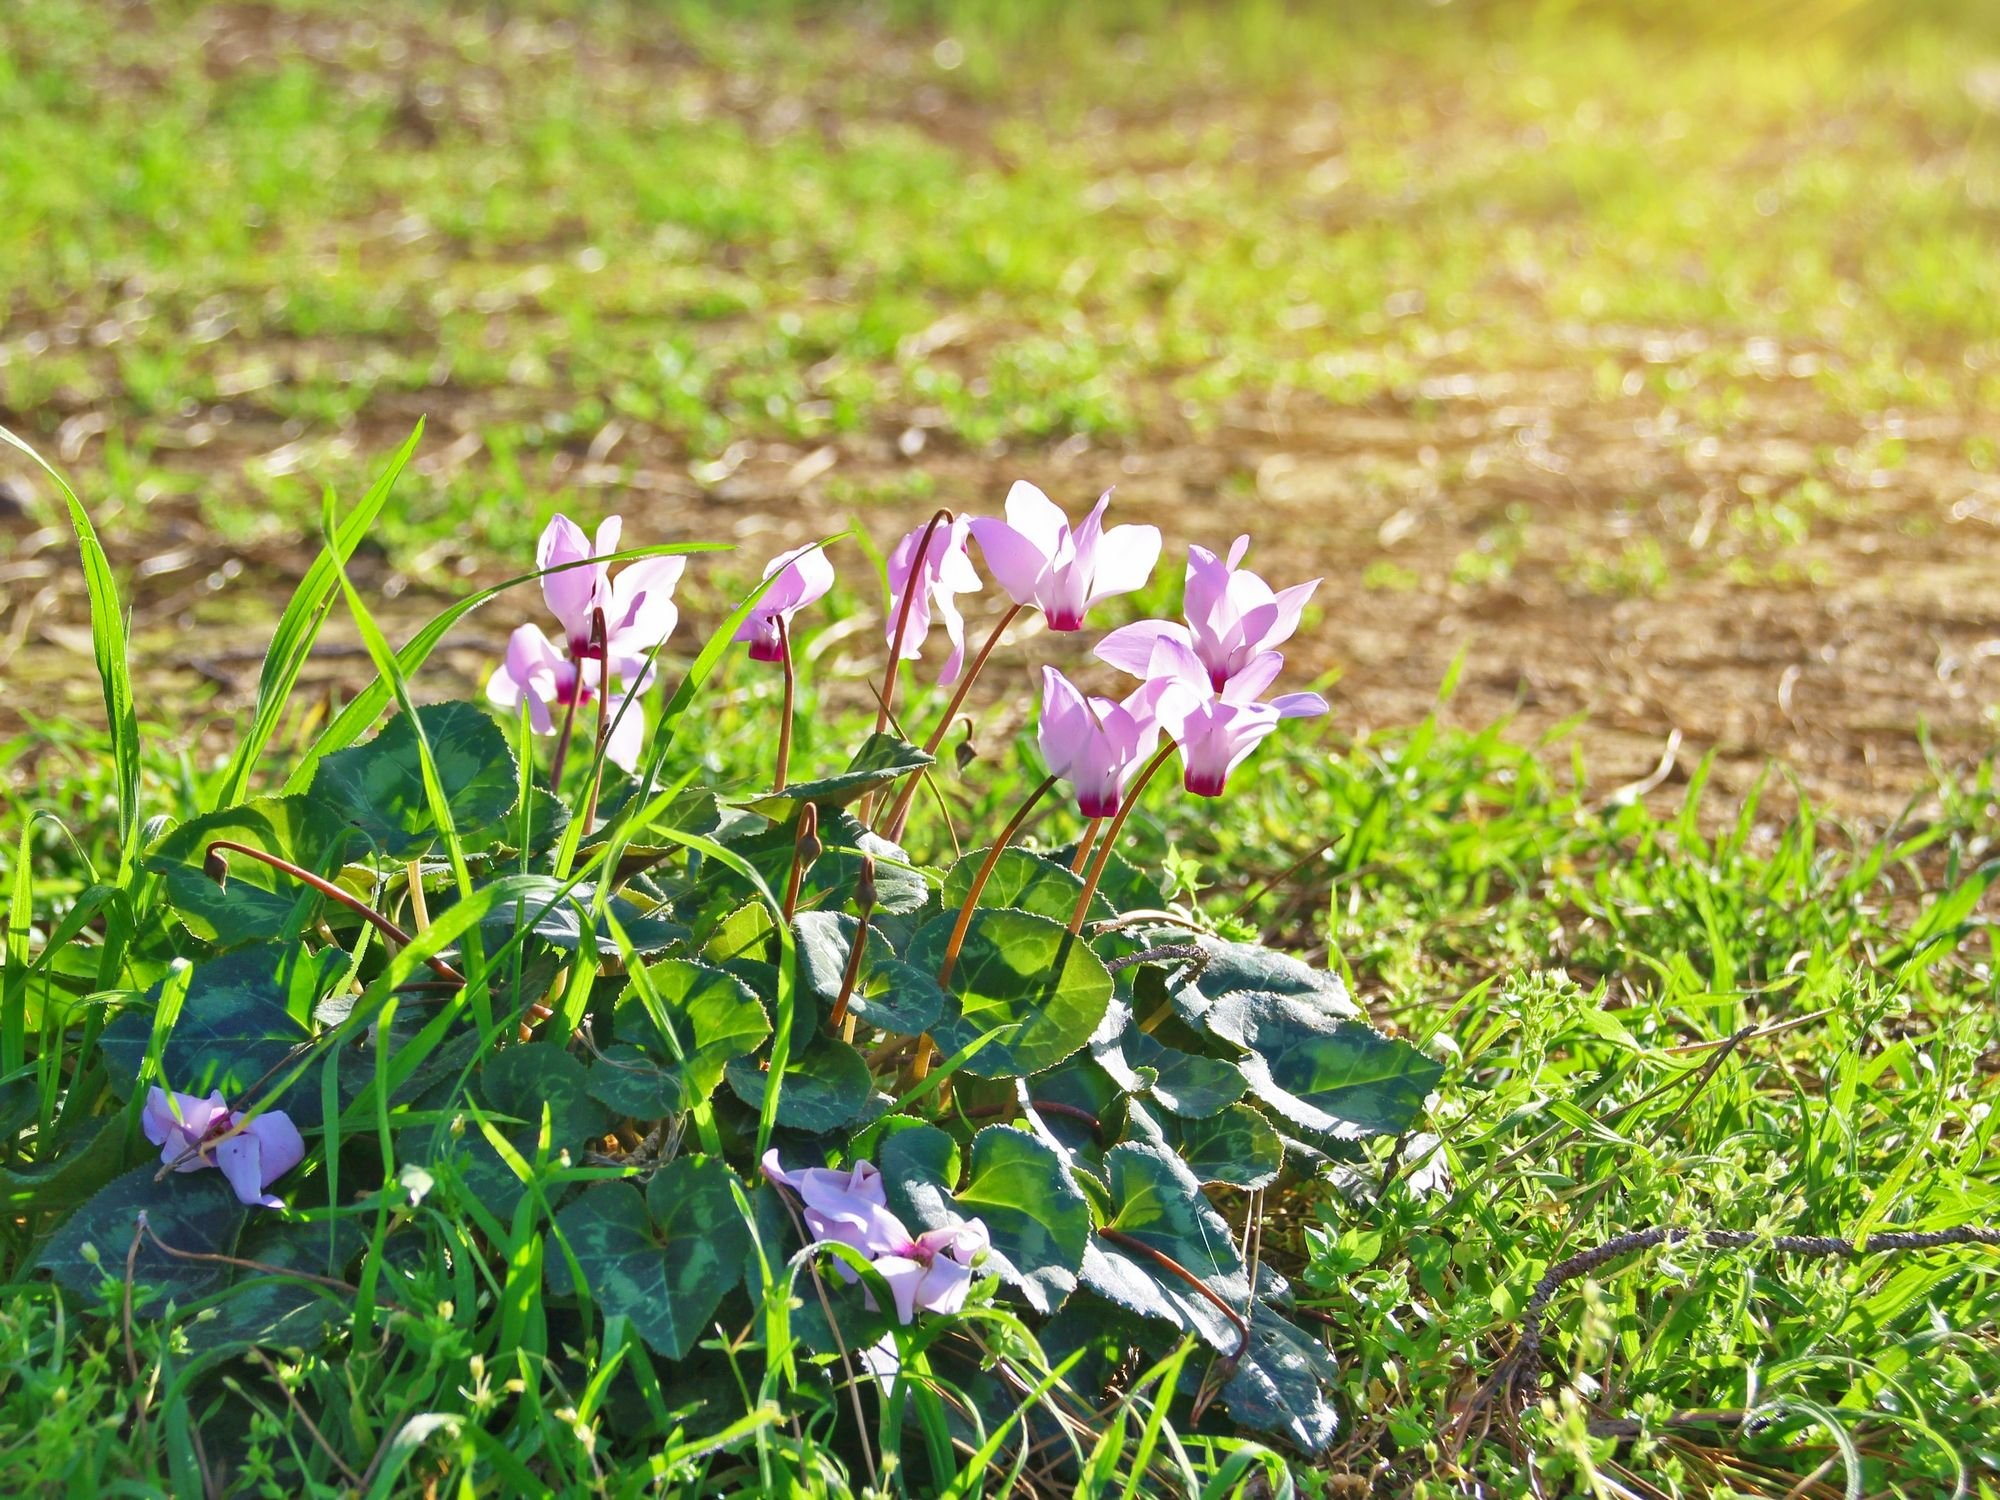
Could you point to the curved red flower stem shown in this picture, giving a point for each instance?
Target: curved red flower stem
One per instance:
(218, 871)
(903, 621)
(1043, 1107)
(601, 639)
(805, 849)
(1111, 832)
(791, 691)
(986, 868)
(851, 976)
(920, 1065)
(1085, 844)
(892, 828)
(1166, 1262)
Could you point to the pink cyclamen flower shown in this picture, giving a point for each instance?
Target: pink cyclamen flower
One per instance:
(946, 572)
(638, 605)
(535, 671)
(1095, 744)
(252, 1151)
(931, 1271)
(1232, 616)
(799, 578)
(1040, 561)
(1216, 731)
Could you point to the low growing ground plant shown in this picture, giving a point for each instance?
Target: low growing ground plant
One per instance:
(488, 1038)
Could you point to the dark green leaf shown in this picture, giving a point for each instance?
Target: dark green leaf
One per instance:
(193, 1211)
(1020, 972)
(88, 1159)
(236, 1025)
(1335, 1077)
(1183, 1082)
(378, 787)
(672, 1061)
(1229, 967)
(270, 1311)
(1156, 1201)
(826, 1085)
(899, 997)
(1280, 1384)
(256, 903)
(1237, 1148)
(666, 1260)
(1034, 1209)
(883, 758)
(826, 942)
(559, 919)
(1025, 881)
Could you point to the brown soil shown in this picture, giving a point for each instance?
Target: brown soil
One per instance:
(1488, 508)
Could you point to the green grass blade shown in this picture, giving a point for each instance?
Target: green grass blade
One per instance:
(299, 628)
(109, 643)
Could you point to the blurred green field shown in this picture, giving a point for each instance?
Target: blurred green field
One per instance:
(1633, 370)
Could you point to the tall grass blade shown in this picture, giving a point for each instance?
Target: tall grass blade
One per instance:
(298, 630)
(109, 643)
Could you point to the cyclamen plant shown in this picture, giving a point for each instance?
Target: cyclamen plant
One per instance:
(719, 1041)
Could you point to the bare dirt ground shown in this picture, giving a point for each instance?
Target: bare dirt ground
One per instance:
(1883, 621)
(1810, 589)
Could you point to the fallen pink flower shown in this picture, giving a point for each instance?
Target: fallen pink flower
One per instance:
(252, 1151)
(1095, 744)
(1232, 616)
(945, 573)
(931, 1271)
(535, 671)
(1040, 561)
(799, 577)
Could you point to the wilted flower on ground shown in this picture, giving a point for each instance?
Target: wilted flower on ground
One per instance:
(931, 1271)
(1040, 561)
(252, 1152)
(1217, 730)
(799, 577)
(946, 571)
(1097, 744)
(1232, 616)
(550, 682)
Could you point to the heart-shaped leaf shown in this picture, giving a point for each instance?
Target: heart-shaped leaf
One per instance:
(516, 1082)
(1229, 967)
(826, 1085)
(674, 1046)
(1280, 1384)
(882, 758)
(1183, 1082)
(378, 787)
(826, 942)
(1338, 1078)
(1026, 975)
(236, 1028)
(898, 997)
(1237, 1148)
(1032, 1207)
(1022, 880)
(266, 1310)
(539, 905)
(191, 1211)
(1157, 1203)
(665, 1260)
(255, 903)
